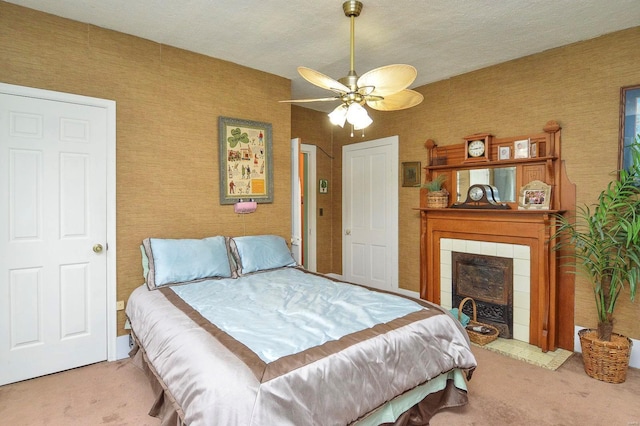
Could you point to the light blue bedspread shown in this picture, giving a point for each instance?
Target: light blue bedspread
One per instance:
(257, 310)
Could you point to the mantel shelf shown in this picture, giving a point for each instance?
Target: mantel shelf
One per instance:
(485, 164)
(496, 211)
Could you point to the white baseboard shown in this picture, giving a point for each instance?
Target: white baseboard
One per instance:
(408, 293)
(634, 361)
(334, 276)
(122, 347)
(399, 290)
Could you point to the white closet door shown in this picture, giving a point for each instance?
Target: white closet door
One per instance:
(53, 284)
(370, 213)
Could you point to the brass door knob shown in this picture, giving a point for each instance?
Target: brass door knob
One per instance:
(97, 248)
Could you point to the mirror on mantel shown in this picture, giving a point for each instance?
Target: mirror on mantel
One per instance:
(503, 178)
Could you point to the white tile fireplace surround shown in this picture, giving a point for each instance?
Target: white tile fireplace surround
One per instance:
(521, 276)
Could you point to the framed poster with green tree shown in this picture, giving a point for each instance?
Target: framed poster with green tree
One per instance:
(246, 161)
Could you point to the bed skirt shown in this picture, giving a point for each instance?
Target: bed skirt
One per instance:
(169, 412)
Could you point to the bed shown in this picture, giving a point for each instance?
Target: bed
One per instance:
(232, 332)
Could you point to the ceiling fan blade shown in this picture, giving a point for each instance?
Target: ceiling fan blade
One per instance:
(401, 100)
(321, 80)
(335, 98)
(389, 79)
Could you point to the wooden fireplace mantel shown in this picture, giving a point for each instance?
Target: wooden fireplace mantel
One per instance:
(552, 288)
(530, 229)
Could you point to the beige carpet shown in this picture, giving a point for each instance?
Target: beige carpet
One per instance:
(502, 391)
(107, 393)
(528, 353)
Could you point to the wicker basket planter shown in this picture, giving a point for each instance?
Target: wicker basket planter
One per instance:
(438, 199)
(605, 361)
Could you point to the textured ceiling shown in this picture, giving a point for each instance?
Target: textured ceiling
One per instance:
(441, 38)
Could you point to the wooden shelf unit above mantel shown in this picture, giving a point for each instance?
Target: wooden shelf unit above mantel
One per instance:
(551, 314)
(546, 166)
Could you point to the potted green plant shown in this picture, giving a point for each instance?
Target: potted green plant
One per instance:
(604, 239)
(437, 195)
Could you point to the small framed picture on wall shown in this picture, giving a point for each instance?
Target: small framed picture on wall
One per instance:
(411, 173)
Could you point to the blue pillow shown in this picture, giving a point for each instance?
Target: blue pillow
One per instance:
(145, 262)
(179, 261)
(260, 252)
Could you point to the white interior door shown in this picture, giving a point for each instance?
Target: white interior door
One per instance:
(53, 192)
(370, 213)
(309, 207)
(296, 202)
(303, 204)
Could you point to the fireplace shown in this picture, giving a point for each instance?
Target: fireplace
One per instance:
(488, 280)
(543, 299)
(496, 275)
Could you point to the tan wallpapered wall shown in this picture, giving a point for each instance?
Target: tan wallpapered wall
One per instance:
(312, 128)
(167, 104)
(578, 85)
(168, 101)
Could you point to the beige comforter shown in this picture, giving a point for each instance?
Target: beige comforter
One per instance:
(216, 380)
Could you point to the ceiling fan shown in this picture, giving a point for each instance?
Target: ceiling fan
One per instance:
(383, 88)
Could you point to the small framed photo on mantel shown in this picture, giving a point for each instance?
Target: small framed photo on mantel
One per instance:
(536, 195)
(504, 153)
(521, 148)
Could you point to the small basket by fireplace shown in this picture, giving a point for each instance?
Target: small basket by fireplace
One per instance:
(479, 333)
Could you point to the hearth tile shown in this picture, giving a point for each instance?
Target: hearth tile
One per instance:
(504, 250)
(521, 332)
(488, 249)
(521, 300)
(521, 316)
(521, 283)
(521, 252)
(521, 267)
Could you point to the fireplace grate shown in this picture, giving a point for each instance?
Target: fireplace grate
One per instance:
(489, 281)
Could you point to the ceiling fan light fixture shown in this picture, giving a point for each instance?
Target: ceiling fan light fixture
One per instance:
(339, 115)
(383, 89)
(358, 116)
(362, 123)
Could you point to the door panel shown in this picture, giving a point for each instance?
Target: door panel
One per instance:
(53, 301)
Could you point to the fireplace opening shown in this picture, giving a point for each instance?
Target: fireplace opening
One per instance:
(489, 281)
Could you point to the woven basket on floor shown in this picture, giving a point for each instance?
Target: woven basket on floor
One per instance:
(605, 361)
(475, 337)
(438, 199)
